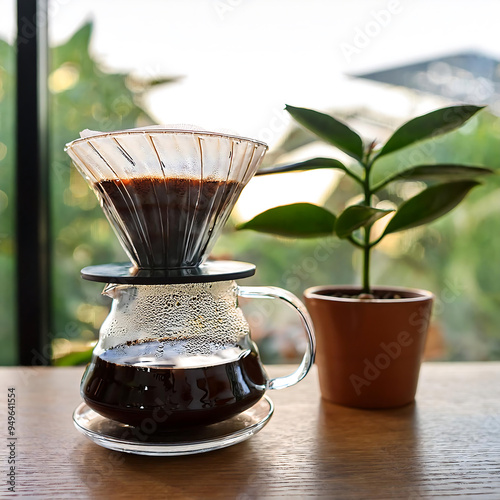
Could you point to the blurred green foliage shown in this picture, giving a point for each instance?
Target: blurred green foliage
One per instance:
(455, 257)
(357, 221)
(7, 160)
(82, 96)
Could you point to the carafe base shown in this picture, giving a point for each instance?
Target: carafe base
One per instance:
(144, 440)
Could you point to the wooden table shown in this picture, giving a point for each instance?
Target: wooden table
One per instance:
(447, 444)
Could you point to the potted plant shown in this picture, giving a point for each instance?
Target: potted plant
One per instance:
(370, 339)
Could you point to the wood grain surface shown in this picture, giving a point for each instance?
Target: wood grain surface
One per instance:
(447, 444)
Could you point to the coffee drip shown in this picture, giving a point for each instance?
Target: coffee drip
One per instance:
(175, 347)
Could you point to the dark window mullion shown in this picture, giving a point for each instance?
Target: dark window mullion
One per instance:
(32, 201)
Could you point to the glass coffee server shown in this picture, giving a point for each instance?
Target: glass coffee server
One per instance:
(175, 370)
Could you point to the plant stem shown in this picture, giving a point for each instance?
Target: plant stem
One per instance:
(366, 244)
(366, 262)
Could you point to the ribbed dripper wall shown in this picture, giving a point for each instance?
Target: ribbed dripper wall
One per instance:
(167, 193)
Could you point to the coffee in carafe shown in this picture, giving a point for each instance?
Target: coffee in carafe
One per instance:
(120, 385)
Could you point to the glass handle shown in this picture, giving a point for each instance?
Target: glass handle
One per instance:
(271, 292)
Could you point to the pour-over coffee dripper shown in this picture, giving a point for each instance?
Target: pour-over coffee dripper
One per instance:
(157, 186)
(175, 370)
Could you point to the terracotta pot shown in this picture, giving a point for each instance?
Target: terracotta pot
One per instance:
(369, 352)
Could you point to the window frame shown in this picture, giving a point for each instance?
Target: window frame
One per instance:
(32, 184)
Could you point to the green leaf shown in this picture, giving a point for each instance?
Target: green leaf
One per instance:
(432, 124)
(429, 205)
(298, 220)
(71, 51)
(330, 130)
(357, 216)
(74, 358)
(162, 80)
(442, 171)
(313, 164)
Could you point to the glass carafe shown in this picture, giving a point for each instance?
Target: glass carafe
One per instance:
(181, 355)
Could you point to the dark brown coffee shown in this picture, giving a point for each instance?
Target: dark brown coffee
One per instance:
(166, 222)
(172, 397)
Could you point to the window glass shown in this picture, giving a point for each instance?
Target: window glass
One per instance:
(234, 65)
(8, 352)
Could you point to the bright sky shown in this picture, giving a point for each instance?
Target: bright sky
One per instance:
(242, 60)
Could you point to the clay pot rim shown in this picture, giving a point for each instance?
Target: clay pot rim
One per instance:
(419, 294)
